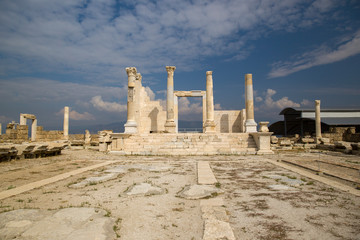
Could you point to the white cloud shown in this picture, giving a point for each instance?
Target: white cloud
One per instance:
(97, 40)
(74, 115)
(268, 103)
(320, 56)
(187, 108)
(26, 89)
(306, 103)
(101, 105)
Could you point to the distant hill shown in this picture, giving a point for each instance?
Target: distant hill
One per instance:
(116, 127)
(119, 127)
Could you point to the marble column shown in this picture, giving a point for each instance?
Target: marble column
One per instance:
(250, 124)
(170, 125)
(33, 129)
(209, 124)
(130, 125)
(66, 122)
(317, 121)
(22, 120)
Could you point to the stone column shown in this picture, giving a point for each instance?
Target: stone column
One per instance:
(250, 123)
(170, 125)
(130, 125)
(317, 121)
(209, 124)
(22, 119)
(33, 129)
(0, 129)
(66, 122)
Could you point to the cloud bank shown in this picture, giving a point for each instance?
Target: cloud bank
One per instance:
(97, 39)
(320, 56)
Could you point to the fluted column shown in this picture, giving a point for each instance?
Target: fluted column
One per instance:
(317, 121)
(250, 124)
(170, 125)
(66, 122)
(130, 125)
(209, 124)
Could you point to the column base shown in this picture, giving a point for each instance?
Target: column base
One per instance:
(209, 127)
(170, 127)
(130, 127)
(250, 126)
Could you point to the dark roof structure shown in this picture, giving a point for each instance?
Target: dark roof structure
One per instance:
(300, 121)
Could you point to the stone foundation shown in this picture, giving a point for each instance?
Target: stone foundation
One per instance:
(182, 144)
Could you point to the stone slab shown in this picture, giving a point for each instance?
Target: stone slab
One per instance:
(205, 174)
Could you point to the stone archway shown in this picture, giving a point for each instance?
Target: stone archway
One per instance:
(193, 93)
(24, 117)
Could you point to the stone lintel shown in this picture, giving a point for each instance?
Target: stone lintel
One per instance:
(192, 93)
(28, 116)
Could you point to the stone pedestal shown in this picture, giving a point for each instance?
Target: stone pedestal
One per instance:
(210, 123)
(66, 122)
(170, 125)
(250, 124)
(317, 121)
(262, 140)
(130, 125)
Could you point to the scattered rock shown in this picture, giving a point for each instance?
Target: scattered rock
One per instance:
(144, 189)
(94, 180)
(199, 191)
(274, 139)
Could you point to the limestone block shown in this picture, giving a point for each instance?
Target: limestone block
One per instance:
(285, 142)
(307, 140)
(342, 145)
(274, 139)
(325, 140)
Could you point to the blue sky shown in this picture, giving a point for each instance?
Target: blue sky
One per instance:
(74, 53)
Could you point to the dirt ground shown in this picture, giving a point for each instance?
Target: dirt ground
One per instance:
(263, 201)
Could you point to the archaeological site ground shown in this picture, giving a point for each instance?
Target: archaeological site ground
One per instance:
(231, 180)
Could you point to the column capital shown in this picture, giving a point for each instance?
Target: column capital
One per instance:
(209, 73)
(170, 69)
(317, 102)
(131, 71)
(138, 77)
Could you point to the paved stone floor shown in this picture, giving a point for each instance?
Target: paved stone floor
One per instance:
(90, 195)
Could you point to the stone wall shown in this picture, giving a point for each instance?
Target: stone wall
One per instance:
(52, 135)
(151, 116)
(342, 134)
(15, 133)
(182, 144)
(229, 121)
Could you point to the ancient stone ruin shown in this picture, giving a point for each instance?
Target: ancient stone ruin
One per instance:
(152, 130)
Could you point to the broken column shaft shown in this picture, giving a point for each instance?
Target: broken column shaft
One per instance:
(66, 122)
(317, 121)
(209, 124)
